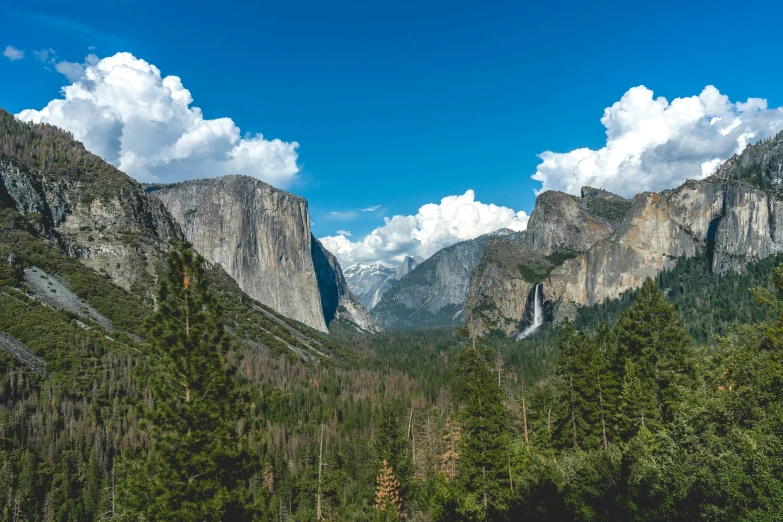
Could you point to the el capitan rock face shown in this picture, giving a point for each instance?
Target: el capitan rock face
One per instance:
(261, 236)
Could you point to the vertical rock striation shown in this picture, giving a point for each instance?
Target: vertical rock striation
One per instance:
(261, 236)
(433, 294)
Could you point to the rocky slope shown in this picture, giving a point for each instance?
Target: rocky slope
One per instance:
(95, 212)
(502, 284)
(433, 294)
(102, 217)
(261, 236)
(732, 217)
(81, 245)
(369, 282)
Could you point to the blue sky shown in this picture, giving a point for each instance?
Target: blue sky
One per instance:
(401, 104)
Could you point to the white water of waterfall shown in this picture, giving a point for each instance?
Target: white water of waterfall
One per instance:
(538, 315)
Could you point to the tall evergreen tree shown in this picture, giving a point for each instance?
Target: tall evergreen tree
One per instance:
(605, 347)
(579, 415)
(391, 447)
(190, 468)
(654, 357)
(484, 459)
(569, 425)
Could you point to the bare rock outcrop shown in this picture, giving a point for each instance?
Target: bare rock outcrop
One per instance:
(733, 217)
(433, 294)
(564, 223)
(261, 236)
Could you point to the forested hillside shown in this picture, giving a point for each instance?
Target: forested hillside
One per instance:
(554, 452)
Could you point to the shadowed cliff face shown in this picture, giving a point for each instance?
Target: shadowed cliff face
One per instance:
(733, 217)
(337, 300)
(261, 236)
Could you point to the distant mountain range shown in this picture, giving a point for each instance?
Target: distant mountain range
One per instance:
(585, 249)
(369, 282)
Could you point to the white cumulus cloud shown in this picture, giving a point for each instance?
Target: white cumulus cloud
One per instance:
(652, 144)
(345, 233)
(435, 226)
(123, 109)
(12, 53)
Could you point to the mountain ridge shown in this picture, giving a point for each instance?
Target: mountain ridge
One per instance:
(734, 216)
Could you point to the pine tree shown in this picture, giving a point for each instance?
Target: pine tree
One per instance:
(638, 404)
(391, 446)
(577, 416)
(190, 469)
(485, 452)
(604, 344)
(651, 338)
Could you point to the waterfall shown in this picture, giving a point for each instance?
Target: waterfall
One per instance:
(538, 315)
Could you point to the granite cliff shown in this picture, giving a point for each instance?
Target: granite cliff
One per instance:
(732, 217)
(337, 300)
(562, 223)
(261, 236)
(561, 227)
(81, 246)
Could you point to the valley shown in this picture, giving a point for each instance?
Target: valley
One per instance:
(586, 368)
